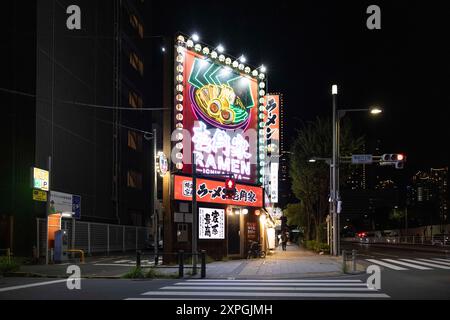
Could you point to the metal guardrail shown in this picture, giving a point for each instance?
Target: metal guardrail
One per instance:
(181, 257)
(443, 241)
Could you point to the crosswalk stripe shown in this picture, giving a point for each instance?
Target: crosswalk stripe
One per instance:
(434, 265)
(387, 265)
(407, 264)
(247, 288)
(445, 260)
(275, 281)
(270, 294)
(435, 261)
(184, 298)
(317, 284)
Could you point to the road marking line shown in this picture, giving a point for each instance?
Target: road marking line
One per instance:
(122, 265)
(179, 299)
(445, 260)
(387, 265)
(32, 285)
(123, 261)
(434, 261)
(276, 281)
(427, 264)
(408, 264)
(269, 294)
(246, 288)
(321, 284)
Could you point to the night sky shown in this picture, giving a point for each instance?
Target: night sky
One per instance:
(309, 45)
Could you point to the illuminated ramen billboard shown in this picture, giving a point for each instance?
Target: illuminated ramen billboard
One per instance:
(217, 111)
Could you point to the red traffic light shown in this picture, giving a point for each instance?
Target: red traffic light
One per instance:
(400, 157)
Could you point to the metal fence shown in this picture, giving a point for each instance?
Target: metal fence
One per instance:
(95, 237)
(434, 240)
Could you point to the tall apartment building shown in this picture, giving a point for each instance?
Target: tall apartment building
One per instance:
(74, 96)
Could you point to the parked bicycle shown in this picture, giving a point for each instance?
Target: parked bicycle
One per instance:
(255, 251)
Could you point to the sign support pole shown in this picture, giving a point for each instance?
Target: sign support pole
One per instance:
(47, 207)
(194, 216)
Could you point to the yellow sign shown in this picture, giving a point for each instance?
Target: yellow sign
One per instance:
(39, 195)
(40, 179)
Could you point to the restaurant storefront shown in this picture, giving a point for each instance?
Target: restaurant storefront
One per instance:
(218, 123)
(225, 226)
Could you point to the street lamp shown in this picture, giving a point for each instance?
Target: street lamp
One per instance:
(335, 194)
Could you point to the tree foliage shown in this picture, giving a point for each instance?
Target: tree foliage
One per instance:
(310, 181)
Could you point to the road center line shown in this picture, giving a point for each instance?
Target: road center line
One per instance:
(32, 285)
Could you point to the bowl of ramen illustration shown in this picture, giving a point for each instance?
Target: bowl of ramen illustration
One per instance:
(219, 106)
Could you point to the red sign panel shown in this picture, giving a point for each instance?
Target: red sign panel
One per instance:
(219, 107)
(214, 192)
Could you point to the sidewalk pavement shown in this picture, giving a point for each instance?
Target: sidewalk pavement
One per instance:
(293, 263)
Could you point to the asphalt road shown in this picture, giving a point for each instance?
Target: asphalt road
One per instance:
(433, 284)
(405, 274)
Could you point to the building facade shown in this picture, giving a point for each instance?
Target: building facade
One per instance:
(76, 100)
(219, 113)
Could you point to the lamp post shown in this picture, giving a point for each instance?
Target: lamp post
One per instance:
(152, 136)
(337, 115)
(155, 198)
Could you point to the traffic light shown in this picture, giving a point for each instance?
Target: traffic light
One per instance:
(392, 157)
(396, 159)
(230, 188)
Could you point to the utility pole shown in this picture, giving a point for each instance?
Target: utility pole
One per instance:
(155, 198)
(47, 207)
(194, 216)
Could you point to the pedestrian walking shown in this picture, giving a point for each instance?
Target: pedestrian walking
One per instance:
(284, 239)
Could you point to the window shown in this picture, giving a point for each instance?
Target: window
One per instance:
(135, 140)
(134, 180)
(134, 100)
(134, 21)
(136, 63)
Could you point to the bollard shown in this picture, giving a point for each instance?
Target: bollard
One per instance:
(138, 259)
(344, 263)
(203, 267)
(353, 260)
(156, 259)
(8, 254)
(194, 263)
(180, 264)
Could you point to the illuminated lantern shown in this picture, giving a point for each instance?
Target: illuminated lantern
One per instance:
(230, 188)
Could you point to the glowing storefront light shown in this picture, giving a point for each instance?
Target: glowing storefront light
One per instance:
(219, 152)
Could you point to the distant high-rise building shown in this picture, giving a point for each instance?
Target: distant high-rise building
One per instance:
(285, 192)
(430, 189)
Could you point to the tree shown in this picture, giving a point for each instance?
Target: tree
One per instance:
(310, 181)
